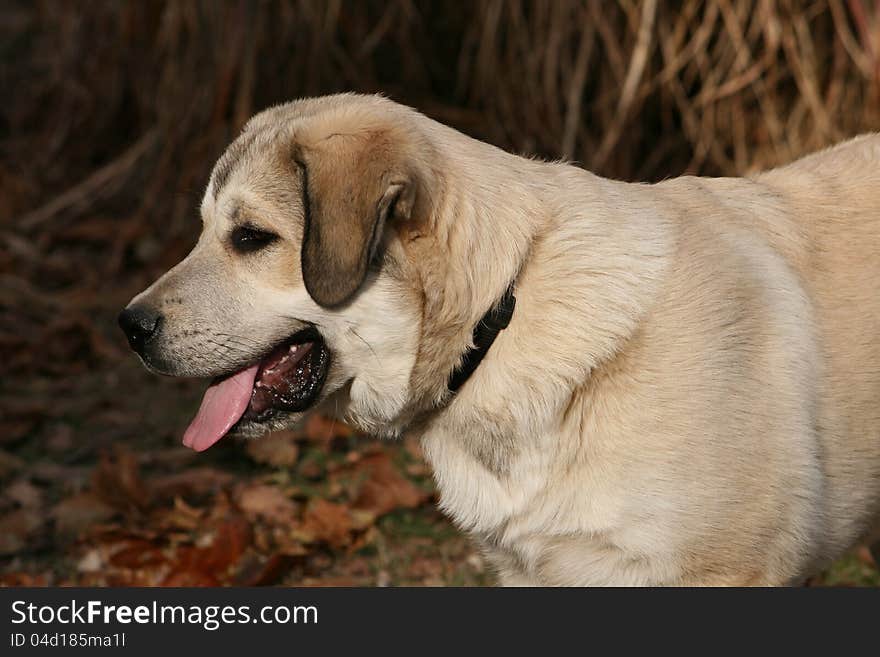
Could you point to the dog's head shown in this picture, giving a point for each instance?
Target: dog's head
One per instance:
(302, 287)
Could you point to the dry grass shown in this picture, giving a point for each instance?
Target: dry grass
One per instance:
(114, 104)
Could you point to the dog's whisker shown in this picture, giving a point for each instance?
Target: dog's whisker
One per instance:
(224, 348)
(242, 345)
(239, 338)
(369, 346)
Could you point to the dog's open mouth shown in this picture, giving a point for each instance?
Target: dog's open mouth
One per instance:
(289, 378)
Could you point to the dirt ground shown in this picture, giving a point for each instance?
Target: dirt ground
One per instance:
(97, 490)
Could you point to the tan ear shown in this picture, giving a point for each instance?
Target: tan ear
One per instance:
(353, 184)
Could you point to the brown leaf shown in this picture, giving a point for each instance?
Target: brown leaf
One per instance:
(227, 544)
(327, 522)
(191, 482)
(181, 517)
(24, 579)
(125, 577)
(259, 571)
(329, 582)
(323, 429)
(278, 449)
(75, 514)
(267, 502)
(117, 481)
(189, 578)
(384, 488)
(93, 560)
(25, 494)
(138, 554)
(17, 528)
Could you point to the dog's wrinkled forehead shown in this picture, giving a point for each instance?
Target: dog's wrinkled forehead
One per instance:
(264, 148)
(257, 163)
(241, 148)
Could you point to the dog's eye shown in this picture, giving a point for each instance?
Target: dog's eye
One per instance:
(247, 239)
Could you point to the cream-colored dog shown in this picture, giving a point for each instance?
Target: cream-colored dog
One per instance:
(688, 392)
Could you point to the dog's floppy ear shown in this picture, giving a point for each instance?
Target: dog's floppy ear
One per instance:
(352, 185)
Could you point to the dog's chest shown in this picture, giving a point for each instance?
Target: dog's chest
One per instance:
(475, 495)
(540, 521)
(528, 492)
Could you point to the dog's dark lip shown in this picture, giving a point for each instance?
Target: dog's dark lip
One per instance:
(312, 367)
(308, 334)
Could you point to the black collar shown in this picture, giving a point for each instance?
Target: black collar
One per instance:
(485, 332)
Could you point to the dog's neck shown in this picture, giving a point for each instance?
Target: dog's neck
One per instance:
(468, 263)
(496, 319)
(596, 259)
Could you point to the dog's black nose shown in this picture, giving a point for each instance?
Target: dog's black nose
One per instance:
(139, 323)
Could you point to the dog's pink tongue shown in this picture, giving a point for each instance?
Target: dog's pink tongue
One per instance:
(224, 403)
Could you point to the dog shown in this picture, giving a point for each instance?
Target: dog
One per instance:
(614, 383)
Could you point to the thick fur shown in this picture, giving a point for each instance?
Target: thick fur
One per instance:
(688, 392)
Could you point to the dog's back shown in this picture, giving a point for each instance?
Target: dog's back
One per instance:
(822, 215)
(835, 201)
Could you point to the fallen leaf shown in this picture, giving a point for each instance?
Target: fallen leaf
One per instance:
(278, 449)
(327, 522)
(137, 554)
(180, 517)
(189, 578)
(73, 515)
(362, 518)
(91, 562)
(117, 481)
(17, 528)
(192, 482)
(267, 502)
(259, 571)
(329, 582)
(25, 494)
(384, 488)
(24, 579)
(128, 578)
(226, 545)
(321, 429)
